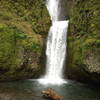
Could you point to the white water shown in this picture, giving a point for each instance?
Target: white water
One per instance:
(56, 46)
(53, 7)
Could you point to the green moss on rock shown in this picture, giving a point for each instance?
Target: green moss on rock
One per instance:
(23, 25)
(83, 41)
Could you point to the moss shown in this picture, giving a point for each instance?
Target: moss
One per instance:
(11, 40)
(7, 46)
(83, 39)
(23, 25)
(34, 12)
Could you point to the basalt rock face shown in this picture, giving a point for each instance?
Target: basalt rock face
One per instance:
(83, 60)
(23, 27)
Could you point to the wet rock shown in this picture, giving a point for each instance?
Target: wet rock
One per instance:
(5, 97)
(51, 94)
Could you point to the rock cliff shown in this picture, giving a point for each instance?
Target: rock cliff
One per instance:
(83, 60)
(23, 27)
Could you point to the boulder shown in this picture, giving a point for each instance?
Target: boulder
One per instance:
(51, 94)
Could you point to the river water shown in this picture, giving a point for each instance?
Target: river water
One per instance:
(31, 90)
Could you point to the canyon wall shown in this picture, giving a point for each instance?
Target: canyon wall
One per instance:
(83, 60)
(24, 25)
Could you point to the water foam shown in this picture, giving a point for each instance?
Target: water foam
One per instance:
(56, 46)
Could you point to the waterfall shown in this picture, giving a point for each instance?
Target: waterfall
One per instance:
(56, 46)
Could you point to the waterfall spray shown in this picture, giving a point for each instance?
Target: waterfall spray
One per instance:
(56, 46)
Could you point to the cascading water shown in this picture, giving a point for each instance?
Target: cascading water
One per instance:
(56, 46)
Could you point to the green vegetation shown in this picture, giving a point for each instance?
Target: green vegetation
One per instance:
(84, 40)
(23, 25)
(33, 11)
